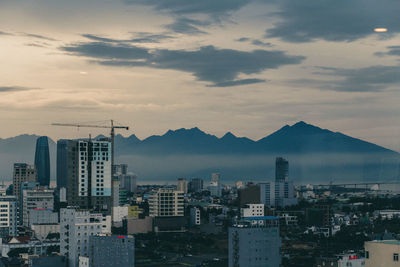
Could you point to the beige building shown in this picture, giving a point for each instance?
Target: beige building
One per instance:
(166, 202)
(182, 185)
(382, 253)
(22, 173)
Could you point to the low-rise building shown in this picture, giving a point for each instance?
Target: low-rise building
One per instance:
(382, 253)
(252, 210)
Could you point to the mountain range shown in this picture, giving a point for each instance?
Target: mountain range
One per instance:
(314, 154)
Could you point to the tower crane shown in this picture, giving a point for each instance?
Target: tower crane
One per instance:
(112, 127)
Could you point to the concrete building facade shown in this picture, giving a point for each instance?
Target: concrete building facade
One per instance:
(166, 202)
(382, 253)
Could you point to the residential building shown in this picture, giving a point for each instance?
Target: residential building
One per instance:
(37, 198)
(109, 250)
(166, 202)
(382, 253)
(215, 189)
(22, 173)
(76, 226)
(195, 216)
(42, 161)
(195, 185)
(278, 194)
(250, 194)
(343, 260)
(128, 182)
(8, 216)
(42, 216)
(255, 243)
(252, 210)
(86, 164)
(281, 170)
(41, 231)
(182, 185)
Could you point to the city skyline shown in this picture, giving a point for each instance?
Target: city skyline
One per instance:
(260, 64)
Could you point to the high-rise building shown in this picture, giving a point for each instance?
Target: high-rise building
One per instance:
(8, 216)
(182, 185)
(278, 194)
(22, 173)
(215, 189)
(120, 169)
(215, 177)
(76, 226)
(38, 198)
(281, 170)
(42, 161)
(166, 202)
(128, 182)
(108, 250)
(195, 185)
(255, 242)
(66, 161)
(87, 173)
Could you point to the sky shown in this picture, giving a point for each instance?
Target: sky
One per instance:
(245, 66)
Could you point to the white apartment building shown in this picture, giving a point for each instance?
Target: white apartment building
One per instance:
(382, 253)
(166, 202)
(75, 228)
(8, 216)
(252, 210)
(38, 198)
(278, 194)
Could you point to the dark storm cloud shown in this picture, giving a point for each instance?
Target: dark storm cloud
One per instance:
(369, 79)
(334, 20)
(4, 89)
(187, 26)
(213, 8)
(221, 67)
(261, 43)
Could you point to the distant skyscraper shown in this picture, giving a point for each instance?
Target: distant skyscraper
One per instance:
(215, 177)
(65, 149)
(166, 202)
(196, 185)
(182, 185)
(22, 173)
(42, 160)
(281, 170)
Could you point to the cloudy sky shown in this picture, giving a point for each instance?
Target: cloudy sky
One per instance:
(246, 66)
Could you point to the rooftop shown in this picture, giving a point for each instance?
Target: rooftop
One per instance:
(387, 242)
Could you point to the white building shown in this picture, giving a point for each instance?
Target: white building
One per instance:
(382, 253)
(75, 228)
(119, 213)
(252, 210)
(8, 216)
(38, 198)
(278, 194)
(42, 216)
(255, 244)
(195, 216)
(166, 202)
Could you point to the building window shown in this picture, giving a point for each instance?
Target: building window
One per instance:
(367, 254)
(395, 257)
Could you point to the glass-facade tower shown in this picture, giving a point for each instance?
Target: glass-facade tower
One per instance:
(42, 161)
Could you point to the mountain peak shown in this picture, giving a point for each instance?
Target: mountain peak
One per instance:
(229, 135)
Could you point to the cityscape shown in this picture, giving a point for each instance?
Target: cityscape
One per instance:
(199, 133)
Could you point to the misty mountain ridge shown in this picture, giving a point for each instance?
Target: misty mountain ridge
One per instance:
(313, 153)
